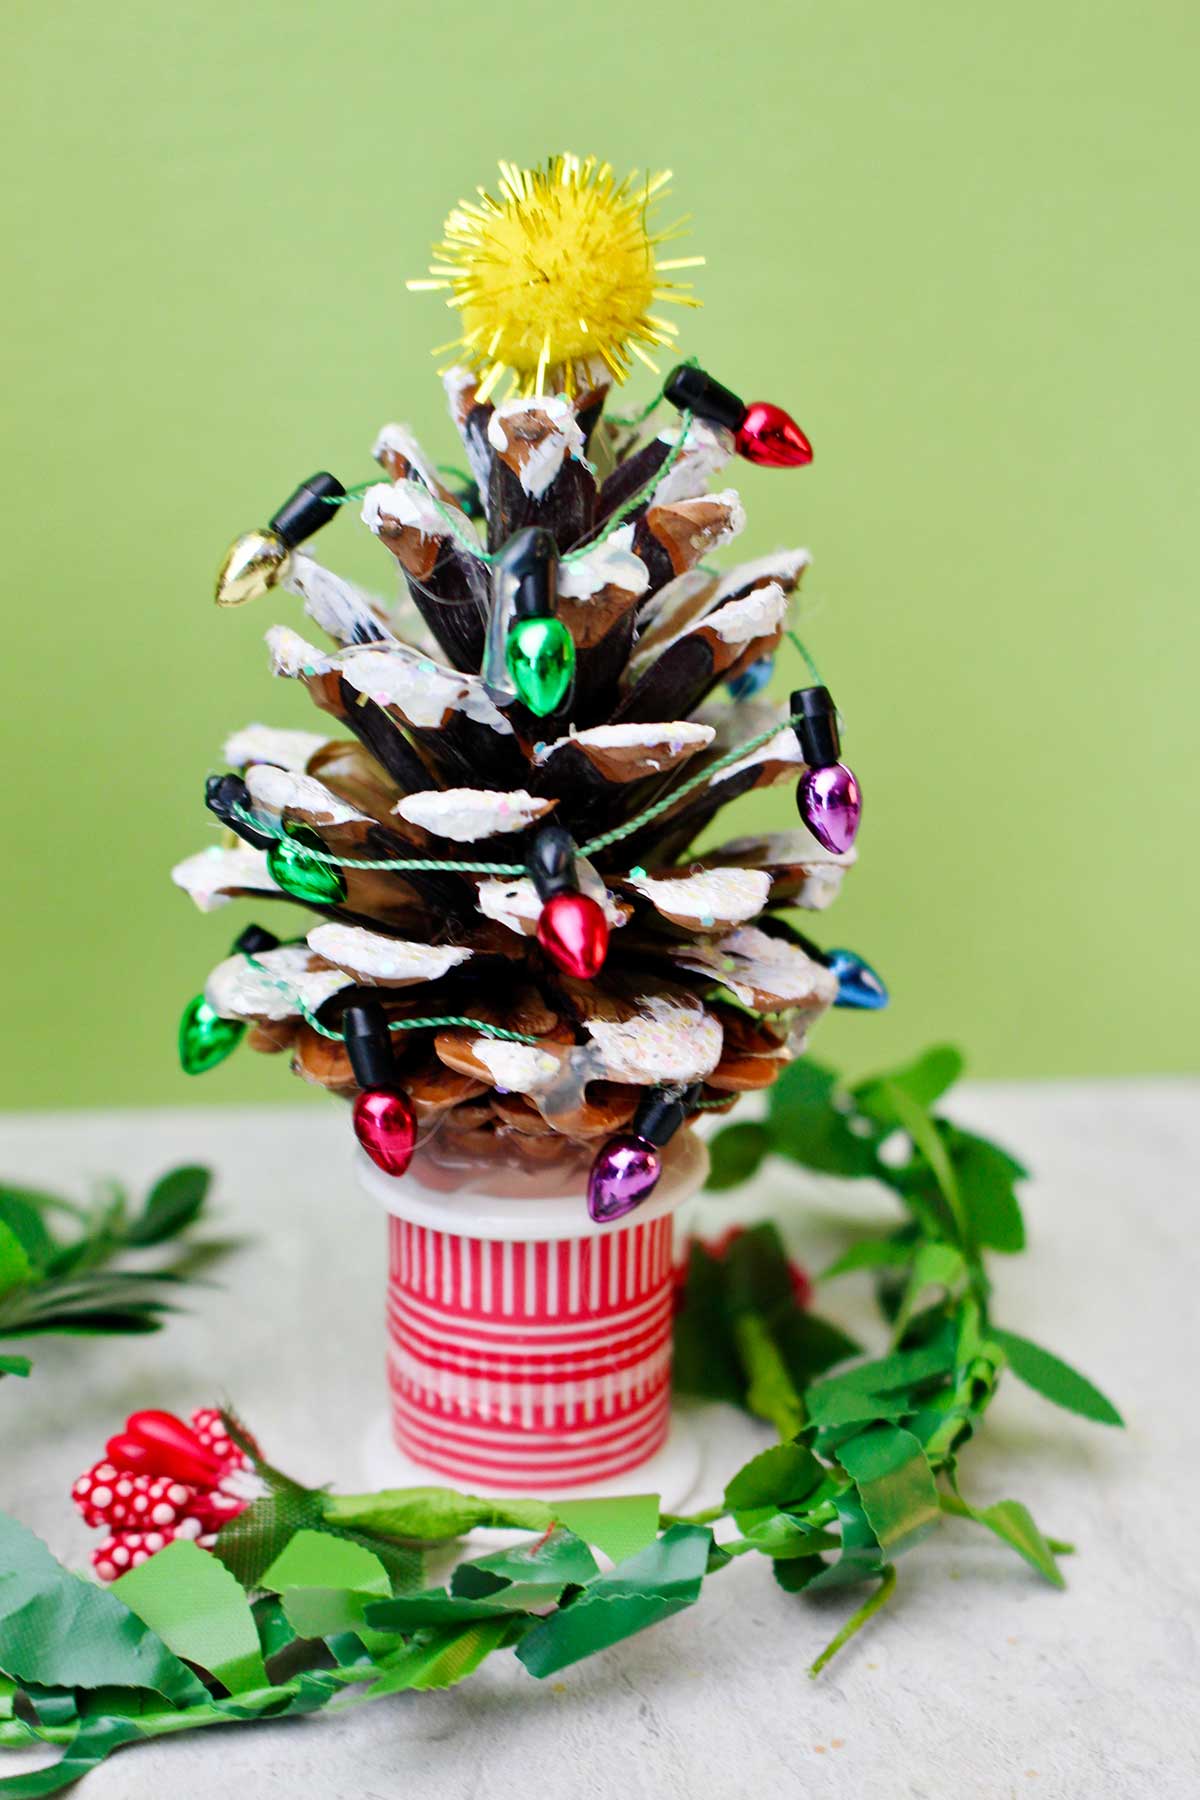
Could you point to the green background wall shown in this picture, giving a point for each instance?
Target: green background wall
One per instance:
(958, 241)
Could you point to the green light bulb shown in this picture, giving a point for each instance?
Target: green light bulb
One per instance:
(540, 655)
(301, 875)
(205, 1038)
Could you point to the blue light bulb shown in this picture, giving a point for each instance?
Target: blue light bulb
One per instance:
(858, 984)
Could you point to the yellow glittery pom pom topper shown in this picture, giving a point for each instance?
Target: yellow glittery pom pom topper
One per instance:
(558, 276)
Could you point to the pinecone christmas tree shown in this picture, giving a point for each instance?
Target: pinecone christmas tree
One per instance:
(516, 951)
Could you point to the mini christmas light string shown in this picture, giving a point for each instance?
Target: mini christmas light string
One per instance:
(439, 1022)
(430, 866)
(631, 420)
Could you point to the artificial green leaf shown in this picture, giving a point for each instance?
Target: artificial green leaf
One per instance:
(871, 1253)
(252, 1542)
(922, 1082)
(15, 1267)
(449, 1657)
(895, 1484)
(938, 1266)
(199, 1611)
(806, 1124)
(530, 1575)
(91, 1744)
(15, 1365)
(987, 1178)
(435, 1606)
(317, 1559)
(620, 1526)
(860, 1556)
(327, 1583)
(1012, 1522)
(795, 1573)
(735, 1154)
(808, 1343)
(901, 1371)
(432, 1514)
(24, 1219)
(173, 1203)
(833, 1408)
(60, 1631)
(928, 1141)
(1055, 1379)
(706, 1361)
(779, 1477)
(660, 1580)
(771, 1393)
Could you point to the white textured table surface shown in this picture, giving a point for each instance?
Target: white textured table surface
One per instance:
(977, 1680)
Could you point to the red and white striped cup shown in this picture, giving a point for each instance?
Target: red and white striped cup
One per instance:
(529, 1349)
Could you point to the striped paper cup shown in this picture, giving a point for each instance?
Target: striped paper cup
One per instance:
(529, 1349)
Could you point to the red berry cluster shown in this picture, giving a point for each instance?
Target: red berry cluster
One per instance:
(161, 1479)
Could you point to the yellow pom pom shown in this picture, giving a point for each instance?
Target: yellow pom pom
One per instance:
(556, 280)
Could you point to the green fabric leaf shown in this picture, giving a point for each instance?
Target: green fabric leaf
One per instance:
(531, 1574)
(620, 1527)
(15, 1267)
(24, 1219)
(1055, 1379)
(436, 1606)
(327, 1583)
(934, 1266)
(795, 1573)
(903, 1373)
(921, 1082)
(448, 1658)
(771, 1393)
(432, 1514)
(860, 1557)
(871, 1253)
(60, 1631)
(735, 1154)
(809, 1344)
(660, 1580)
(805, 1124)
(199, 1611)
(249, 1544)
(987, 1178)
(317, 1559)
(928, 1141)
(895, 1485)
(173, 1203)
(779, 1477)
(1013, 1523)
(15, 1365)
(706, 1362)
(89, 1747)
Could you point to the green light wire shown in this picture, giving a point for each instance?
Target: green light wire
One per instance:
(427, 866)
(435, 1023)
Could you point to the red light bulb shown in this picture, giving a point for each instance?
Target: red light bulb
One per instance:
(573, 931)
(771, 438)
(386, 1127)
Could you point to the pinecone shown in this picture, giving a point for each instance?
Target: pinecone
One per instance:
(432, 760)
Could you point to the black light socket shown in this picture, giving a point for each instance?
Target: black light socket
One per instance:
(253, 941)
(691, 390)
(551, 862)
(304, 512)
(221, 794)
(369, 1045)
(817, 731)
(530, 558)
(662, 1112)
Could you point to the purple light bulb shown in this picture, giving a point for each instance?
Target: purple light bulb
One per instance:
(830, 803)
(625, 1173)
